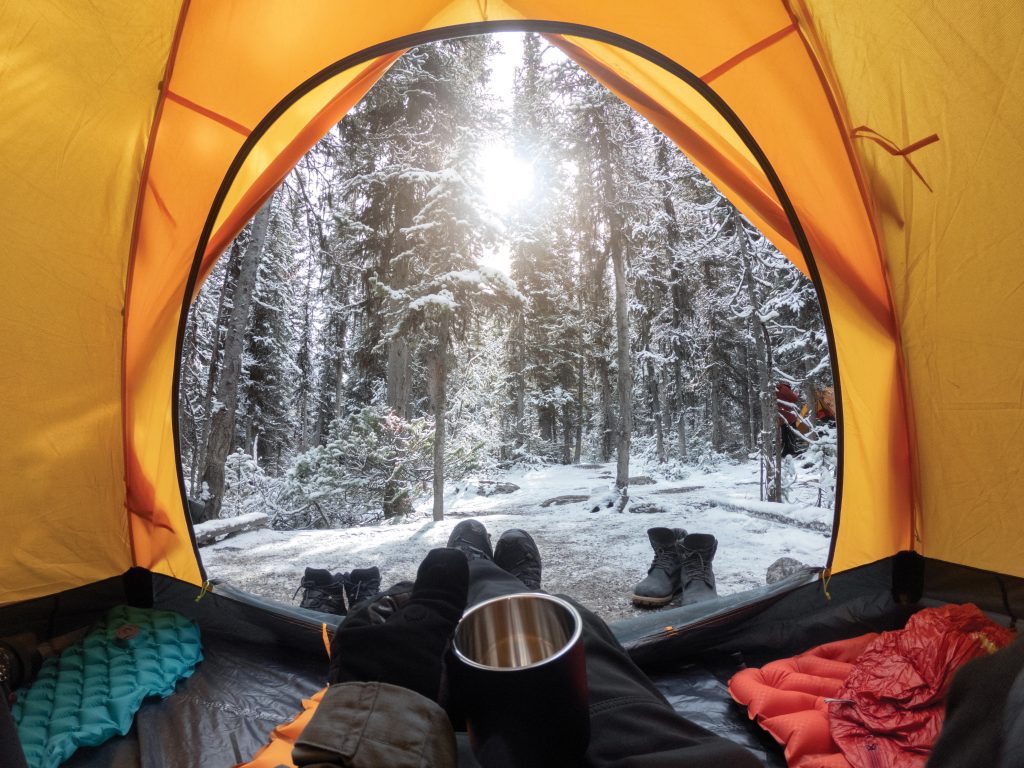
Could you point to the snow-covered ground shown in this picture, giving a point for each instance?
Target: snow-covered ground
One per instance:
(597, 557)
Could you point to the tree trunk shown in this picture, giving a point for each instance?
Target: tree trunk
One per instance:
(681, 435)
(223, 305)
(680, 406)
(567, 433)
(399, 377)
(398, 369)
(341, 332)
(659, 434)
(577, 451)
(304, 362)
(519, 382)
(222, 423)
(749, 389)
(190, 421)
(607, 413)
(716, 412)
(771, 456)
(437, 367)
(624, 383)
(616, 251)
(581, 377)
(771, 429)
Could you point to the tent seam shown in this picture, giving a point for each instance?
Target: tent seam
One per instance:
(838, 110)
(144, 181)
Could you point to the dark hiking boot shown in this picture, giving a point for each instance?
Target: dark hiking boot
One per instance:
(697, 551)
(361, 584)
(322, 591)
(662, 582)
(472, 538)
(517, 553)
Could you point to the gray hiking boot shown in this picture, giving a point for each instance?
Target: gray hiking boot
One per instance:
(323, 591)
(697, 551)
(663, 577)
(517, 553)
(472, 538)
(361, 584)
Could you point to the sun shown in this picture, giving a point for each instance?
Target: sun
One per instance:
(506, 180)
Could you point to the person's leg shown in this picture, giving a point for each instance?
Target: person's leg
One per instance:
(631, 723)
(487, 580)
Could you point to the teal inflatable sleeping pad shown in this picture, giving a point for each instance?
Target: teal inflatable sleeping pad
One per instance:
(92, 691)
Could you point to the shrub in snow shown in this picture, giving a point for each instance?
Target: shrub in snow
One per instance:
(374, 466)
(822, 456)
(248, 489)
(374, 458)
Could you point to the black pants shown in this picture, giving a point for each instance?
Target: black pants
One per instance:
(631, 723)
(984, 723)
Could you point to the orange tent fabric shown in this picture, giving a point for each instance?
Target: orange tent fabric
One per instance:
(876, 143)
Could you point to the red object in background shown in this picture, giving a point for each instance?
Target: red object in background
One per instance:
(825, 405)
(897, 687)
(787, 402)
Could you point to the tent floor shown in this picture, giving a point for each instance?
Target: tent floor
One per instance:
(225, 711)
(262, 658)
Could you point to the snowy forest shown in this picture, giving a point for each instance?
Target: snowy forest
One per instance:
(464, 277)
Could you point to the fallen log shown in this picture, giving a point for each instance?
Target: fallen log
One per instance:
(570, 498)
(215, 530)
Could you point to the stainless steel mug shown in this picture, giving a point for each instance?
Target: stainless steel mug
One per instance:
(520, 678)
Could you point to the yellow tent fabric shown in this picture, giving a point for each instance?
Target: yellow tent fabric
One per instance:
(952, 240)
(892, 128)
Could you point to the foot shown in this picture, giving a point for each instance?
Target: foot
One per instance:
(471, 537)
(517, 553)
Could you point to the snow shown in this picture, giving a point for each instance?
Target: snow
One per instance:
(472, 276)
(225, 524)
(443, 298)
(594, 557)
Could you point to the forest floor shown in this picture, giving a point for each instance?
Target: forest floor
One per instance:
(596, 557)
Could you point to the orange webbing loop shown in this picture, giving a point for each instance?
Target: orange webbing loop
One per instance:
(863, 132)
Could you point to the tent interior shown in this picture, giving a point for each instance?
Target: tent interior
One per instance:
(876, 144)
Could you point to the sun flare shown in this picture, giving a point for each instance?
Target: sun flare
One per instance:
(506, 180)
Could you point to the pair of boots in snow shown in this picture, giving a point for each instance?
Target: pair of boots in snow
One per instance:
(327, 592)
(682, 563)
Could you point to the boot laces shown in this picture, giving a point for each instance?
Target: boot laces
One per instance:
(665, 558)
(471, 551)
(524, 557)
(693, 566)
(358, 588)
(304, 584)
